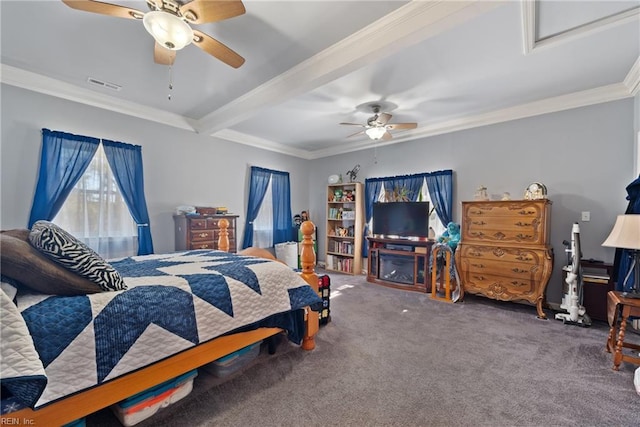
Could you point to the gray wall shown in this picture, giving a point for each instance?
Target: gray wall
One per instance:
(585, 157)
(180, 167)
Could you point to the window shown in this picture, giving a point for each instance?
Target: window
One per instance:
(96, 213)
(263, 224)
(434, 221)
(268, 210)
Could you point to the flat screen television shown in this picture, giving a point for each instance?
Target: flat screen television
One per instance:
(401, 219)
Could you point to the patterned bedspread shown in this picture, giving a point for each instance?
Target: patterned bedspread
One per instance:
(173, 302)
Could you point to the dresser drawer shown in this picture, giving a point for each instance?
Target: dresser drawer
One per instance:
(517, 209)
(503, 253)
(199, 224)
(200, 235)
(514, 270)
(501, 288)
(201, 245)
(485, 234)
(215, 223)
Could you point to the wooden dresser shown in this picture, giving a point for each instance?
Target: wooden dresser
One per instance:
(504, 250)
(202, 231)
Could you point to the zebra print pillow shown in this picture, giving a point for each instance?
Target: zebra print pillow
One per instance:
(63, 248)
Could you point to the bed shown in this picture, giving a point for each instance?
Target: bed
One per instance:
(179, 311)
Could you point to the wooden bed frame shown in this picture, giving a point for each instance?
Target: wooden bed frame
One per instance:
(94, 399)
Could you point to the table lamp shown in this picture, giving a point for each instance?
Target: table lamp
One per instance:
(626, 235)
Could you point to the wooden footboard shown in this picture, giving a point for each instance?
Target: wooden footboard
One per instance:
(104, 395)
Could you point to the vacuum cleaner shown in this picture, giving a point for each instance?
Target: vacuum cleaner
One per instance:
(575, 314)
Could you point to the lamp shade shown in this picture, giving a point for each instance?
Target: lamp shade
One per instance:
(376, 132)
(169, 30)
(625, 233)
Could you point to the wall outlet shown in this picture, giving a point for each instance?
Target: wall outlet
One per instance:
(586, 216)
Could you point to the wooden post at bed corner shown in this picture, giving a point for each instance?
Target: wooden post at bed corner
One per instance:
(308, 262)
(223, 239)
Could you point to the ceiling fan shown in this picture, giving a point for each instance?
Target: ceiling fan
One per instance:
(378, 126)
(168, 21)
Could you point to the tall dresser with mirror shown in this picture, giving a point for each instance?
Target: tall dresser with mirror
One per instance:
(504, 251)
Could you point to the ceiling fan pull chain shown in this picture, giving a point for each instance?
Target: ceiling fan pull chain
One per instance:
(170, 81)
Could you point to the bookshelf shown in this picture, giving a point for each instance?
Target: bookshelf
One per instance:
(345, 225)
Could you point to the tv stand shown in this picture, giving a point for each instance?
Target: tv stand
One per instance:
(400, 263)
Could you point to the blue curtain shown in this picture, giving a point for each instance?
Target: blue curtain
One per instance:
(281, 192)
(440, 185)
(63, 160)
(258, 184)
(623, 257)
(126, 164)
(372, 188)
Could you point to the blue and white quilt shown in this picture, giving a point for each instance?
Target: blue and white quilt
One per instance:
(173, 302)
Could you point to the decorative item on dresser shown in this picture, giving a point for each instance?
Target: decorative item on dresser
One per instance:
(202, 231)
(345, 227)
(504, 251)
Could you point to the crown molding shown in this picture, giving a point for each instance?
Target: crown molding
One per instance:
(632, 80)
(409, 24)
(530, 23)
(261, 143)
(38, 83)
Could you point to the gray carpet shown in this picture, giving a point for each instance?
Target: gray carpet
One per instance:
(395, 358)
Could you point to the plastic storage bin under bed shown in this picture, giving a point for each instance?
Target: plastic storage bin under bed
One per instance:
(143, 405)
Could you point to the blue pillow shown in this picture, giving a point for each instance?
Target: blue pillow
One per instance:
(63, 248)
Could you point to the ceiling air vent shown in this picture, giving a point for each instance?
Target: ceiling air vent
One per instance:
(105, 85)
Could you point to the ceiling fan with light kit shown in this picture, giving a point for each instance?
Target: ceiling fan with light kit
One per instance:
(169, 22)
(378, 127)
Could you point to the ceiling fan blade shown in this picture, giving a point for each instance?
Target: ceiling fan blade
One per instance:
(203, 11)
(215, 48)
(353, 124)
(163, 56)
(383, 118)
(401, 126)
(104, 8)
(357, 133)
(386, 136)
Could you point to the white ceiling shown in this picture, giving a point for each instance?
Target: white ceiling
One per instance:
(446, 65)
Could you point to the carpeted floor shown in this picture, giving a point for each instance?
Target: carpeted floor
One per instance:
(395, 358)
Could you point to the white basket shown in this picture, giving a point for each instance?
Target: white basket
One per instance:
(287, 252)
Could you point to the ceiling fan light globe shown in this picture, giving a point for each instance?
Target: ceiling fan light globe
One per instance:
(168, 30)
(375, 133)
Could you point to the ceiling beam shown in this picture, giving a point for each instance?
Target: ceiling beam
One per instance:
(416, 21)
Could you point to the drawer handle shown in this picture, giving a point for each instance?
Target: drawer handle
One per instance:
(523, 224)
(478, 277)
(524, 236)
(524, 258)
(478, 265)
(478, 222)
(204, 234)
(519, 270)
